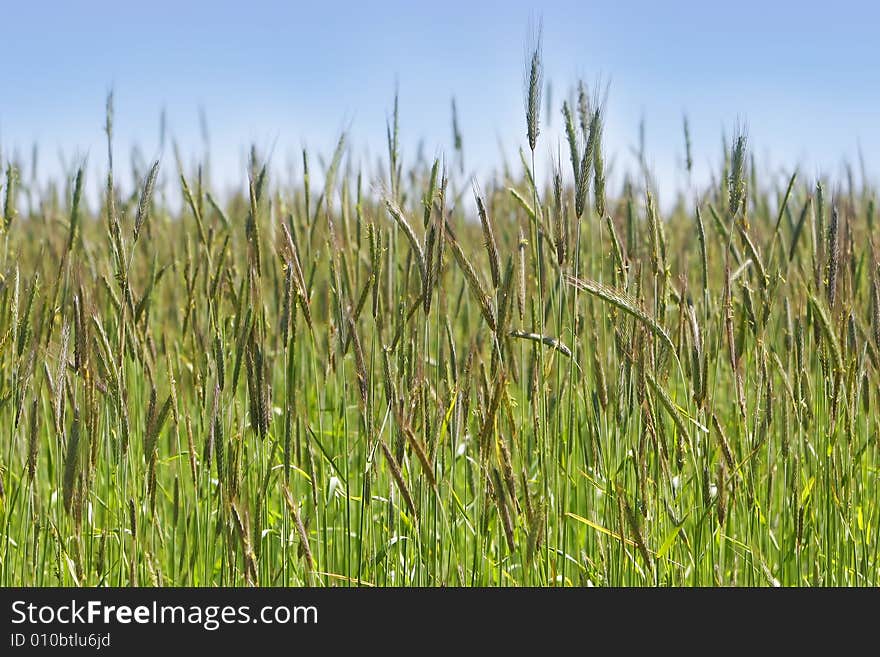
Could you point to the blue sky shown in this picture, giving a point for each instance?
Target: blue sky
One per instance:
(803, 76)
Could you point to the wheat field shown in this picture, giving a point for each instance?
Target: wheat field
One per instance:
(399, 377)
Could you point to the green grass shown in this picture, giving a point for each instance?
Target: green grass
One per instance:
(321, 386)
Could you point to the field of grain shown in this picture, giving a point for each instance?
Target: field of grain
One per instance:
(401, 377)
